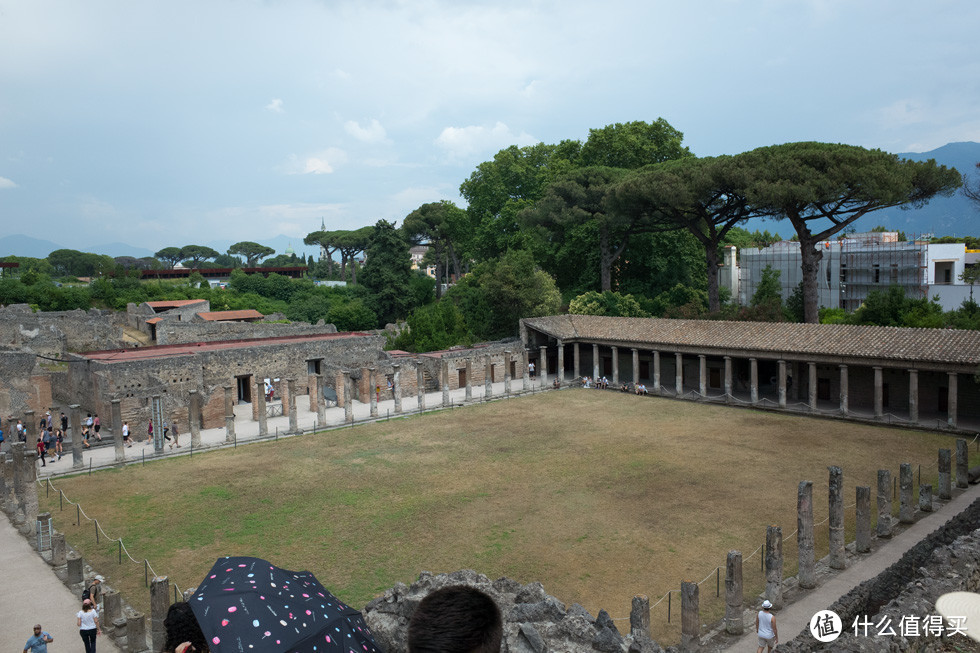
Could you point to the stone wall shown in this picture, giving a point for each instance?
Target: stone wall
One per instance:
(533, 620)
(56, 332)
(948, 560)
(172, 333)
(23, 385)
(179, 369)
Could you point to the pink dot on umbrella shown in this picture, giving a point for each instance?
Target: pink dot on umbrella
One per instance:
(328, 638)
(306, 596)
(267, 633)
(309, 612)
(215, 640)
(241, 565)
(225, 622)
(232, 609)
(213, 575)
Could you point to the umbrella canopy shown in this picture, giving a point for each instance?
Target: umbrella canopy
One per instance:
(247, 604)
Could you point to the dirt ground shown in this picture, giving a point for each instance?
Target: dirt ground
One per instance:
(599, 495)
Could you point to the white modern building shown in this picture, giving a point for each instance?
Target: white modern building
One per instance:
(854, 266)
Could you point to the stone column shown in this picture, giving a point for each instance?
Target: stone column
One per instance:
(615, 362)
(487, 376)
(230, 413)
(75, 420)
(293, 420)
(27, 501)
(135, 632)
(914, 395)
(111, 608)
(862, 531)
(18, 452)
(560, 372)
(945, 480)
(420, 382)
(962, 464)
(656, 373)
(525, 373)
(576, 361)
(690, 617)
(678, 373)
(781, 379)
(374, 390)
(396, 386)
(311, 389)
(728, 379)
(444, 371)
(754, 379)
(906, 509)
(774, 566)
(702, 375)
(259, 400)
(636, 366)
(812, 386)
(836, 510)
(925, 498)
(194, 417)
(733, 594)
(640, 616)
(74, 569)
(321, 403)
(951, 402)
(348, 399)
(884, 528)
(595, 361)
(59, 550)
(31, 431)
(804, 535)
(115, 412)
(159, 605)
(507, 372)
(543, 366)
(469, 379)
(879, 393)
(843, 391)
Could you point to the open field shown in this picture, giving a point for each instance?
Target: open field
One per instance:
(598, 495)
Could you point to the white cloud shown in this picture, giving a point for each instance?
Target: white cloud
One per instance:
(372, 133)
(902, 113)
(318, 163)
(464, 142)
(275, 106)
(7, 183)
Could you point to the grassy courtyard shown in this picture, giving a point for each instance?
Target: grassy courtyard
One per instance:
(598, 495)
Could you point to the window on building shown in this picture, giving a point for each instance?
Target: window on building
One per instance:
(894, 273)
(876, 273)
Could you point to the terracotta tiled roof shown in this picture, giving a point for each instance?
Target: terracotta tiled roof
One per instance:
(949, 346)
(227, 316)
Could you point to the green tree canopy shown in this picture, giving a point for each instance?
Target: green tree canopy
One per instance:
(195, 255)
(387, 272)
(445, 228)
(250, 252)
(171, 256)
(72, 263)
(612, 304)
(633, 145)
(822, 188)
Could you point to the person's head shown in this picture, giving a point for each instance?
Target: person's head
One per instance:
(766, 605)
(37, 629)
(86, 605)
(181, 626)
(456, 619)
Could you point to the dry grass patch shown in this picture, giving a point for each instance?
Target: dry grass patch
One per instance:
(598, 495)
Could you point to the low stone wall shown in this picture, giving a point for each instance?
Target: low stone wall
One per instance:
(534, 622)
(948, 560)
(174, 333)
(55, 332)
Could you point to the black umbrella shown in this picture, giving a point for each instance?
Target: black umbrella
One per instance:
(247, 604)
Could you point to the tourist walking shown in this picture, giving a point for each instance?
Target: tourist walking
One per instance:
(38, 643)
(88, 625)
(176, 433)
(149, 432)
(126, 435)
(97, 425)
(765, 627)
(40, 452)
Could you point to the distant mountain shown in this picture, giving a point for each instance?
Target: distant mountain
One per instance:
(279, 243)
(20, 245)
(117, 249)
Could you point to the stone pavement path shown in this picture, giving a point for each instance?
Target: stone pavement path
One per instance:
(795, 617)
(32, 593)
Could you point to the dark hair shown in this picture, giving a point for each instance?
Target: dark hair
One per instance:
(458, 619)
(181, 626)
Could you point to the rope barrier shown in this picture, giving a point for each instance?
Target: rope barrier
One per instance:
(81, 512)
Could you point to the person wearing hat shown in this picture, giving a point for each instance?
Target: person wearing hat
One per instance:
(94, 590)
(38, 643)
(765, 627)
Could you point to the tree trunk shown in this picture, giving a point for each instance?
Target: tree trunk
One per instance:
(810, 256)
(711, 261)
(353, 271)
(605, 260)
(343, 266)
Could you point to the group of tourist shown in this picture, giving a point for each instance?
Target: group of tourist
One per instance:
(87, 620)
(600, 382)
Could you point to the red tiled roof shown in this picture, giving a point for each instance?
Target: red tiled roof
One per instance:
(226, 316)
(154, 320)
(945, 346)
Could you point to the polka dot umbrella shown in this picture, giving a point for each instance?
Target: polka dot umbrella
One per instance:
(247, 604)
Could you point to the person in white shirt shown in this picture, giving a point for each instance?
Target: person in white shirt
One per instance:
(765, 627)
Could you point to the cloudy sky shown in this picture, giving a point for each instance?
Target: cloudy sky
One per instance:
(161, 123)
